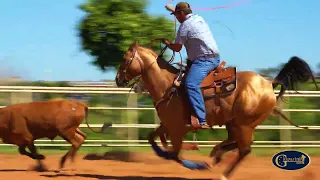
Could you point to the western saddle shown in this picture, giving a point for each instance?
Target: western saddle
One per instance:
(219, 82)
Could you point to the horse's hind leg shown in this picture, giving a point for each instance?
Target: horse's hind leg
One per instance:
(227, 145)
(243, 139)
(230, 140)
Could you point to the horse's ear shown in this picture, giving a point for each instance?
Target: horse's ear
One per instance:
(134, 45)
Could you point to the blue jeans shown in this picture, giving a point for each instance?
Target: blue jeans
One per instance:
(198, 71)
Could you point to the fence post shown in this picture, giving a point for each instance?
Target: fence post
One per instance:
(156, 117)
(132, 116)
(285, 134)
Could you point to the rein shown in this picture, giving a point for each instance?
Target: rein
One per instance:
(130, 60)
(169, 93)
(125, 71)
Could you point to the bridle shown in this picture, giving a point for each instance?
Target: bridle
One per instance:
(129, 63)
(142, 71)
(170, 92)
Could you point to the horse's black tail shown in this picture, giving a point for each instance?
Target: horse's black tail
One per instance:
(294, 71)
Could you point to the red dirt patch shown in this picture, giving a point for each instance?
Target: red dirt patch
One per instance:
(144, 165)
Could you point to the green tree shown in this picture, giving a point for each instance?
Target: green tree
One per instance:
(110, 26)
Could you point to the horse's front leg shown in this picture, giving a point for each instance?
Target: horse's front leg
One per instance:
(158, 132)
(167, 154)
(176, 137)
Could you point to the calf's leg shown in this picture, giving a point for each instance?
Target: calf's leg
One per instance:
(34, 152)
(75, 139)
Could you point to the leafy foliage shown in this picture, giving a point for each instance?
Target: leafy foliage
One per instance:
(110, 26)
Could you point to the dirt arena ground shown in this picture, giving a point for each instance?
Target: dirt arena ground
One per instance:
(141, 166)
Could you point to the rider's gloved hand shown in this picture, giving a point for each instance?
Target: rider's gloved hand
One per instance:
(169, 7)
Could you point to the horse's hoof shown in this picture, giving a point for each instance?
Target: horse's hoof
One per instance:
(192, 165)
(217, 160)
(213, 152)
(41, 157)
(56, 171)
(223, 178)
(208, 166)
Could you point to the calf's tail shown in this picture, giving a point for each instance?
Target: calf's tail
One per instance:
(105, 125)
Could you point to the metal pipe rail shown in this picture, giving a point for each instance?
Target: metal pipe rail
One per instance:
(67, 91)
(151, 108)
(133, 143)
(118, 89)
(268, 127)
(66, 88)
(198, 142)
(147, 145)
(115, 90)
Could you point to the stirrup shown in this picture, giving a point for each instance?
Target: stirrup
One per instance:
(203, 126)
(195, 125)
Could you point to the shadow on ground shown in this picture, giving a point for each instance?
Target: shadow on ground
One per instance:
(112, 155)
(25, 170)
(95, 176)
(12, 170)
(125, 157)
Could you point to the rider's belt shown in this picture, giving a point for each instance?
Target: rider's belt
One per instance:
(207, 56)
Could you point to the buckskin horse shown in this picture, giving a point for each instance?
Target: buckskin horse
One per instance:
(238, 100)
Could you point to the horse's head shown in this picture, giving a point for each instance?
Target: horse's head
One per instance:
(136, 61)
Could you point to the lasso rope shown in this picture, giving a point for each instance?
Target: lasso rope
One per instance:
(233, 4)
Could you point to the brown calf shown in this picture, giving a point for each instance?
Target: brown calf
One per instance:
(21, 124)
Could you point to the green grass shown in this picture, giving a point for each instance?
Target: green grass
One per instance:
(260, 152)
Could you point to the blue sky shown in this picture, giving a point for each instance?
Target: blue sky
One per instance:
(39, 38)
